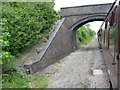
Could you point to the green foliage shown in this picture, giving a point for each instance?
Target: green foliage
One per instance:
(5, 57)
(85, 42)
(40, 81)
(26, 23)
(112, 36)
(84, 34)
(23, 24)
(15, 80)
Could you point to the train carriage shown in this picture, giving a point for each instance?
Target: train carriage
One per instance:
(109, 40)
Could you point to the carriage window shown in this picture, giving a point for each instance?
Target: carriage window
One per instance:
(106, 39)
(112, 39)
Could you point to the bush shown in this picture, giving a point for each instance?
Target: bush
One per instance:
(5, 56)
(84, 33)
(23, 24)
(26, 23)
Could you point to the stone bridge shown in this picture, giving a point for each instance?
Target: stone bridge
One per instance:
(63, 41)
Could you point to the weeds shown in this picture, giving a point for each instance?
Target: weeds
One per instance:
(40, 81)
(14, 80)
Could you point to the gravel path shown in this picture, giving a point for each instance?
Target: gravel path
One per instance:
(76, 70)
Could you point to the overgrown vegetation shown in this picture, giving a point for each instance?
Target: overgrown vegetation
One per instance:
(23, 24)
(85, 34)
(15, 80)
(40, 81)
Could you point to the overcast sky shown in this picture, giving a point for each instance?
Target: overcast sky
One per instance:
(69, 3)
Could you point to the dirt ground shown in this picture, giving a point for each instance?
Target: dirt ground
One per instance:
(76, 69)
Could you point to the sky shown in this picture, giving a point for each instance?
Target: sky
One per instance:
(69, 3)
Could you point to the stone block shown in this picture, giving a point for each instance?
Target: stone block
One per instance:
(97, 72)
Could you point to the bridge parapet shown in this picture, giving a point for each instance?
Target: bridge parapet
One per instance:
(85, 10)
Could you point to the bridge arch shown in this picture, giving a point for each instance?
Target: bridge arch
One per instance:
(87, 19)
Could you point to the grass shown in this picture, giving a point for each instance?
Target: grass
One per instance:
(23, 81)
(40, 81)
(15, 80)
(85, 42)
